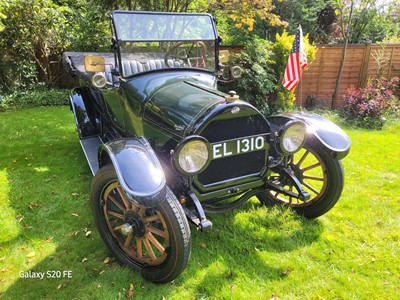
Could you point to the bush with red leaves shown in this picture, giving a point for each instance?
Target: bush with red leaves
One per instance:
(368, 107)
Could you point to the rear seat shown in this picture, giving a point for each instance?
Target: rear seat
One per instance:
(131, 67)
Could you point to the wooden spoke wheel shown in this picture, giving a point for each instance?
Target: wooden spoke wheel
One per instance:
(141, 233)
(319, 174)
(154, 241)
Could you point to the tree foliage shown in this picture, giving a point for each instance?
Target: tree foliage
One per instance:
(299, 12)
(370, 21)
(34, 33)
(244, 13)
(258, 80)
(152, 5)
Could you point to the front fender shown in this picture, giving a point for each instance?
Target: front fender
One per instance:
(332, 137)
(138, 169)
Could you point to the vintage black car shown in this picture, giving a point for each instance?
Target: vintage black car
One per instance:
(166, 146)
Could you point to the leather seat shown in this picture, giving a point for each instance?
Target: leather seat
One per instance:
(131, 67)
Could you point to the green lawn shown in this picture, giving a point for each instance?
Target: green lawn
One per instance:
(252, 253)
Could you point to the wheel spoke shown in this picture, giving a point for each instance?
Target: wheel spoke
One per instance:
(141, 211)
(117, 228)
(117, 203)
(128, 240)
(311, 167)
(123, 197)
(115, 214)
(151, 219)
(311, 188)
(314, 178)
(149, 248)
(156, 231)
(155, 242)
(302, 158)
(139, 248)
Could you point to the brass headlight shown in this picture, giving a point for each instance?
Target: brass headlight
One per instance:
(99, 80)
(292, 137)
(192, 155)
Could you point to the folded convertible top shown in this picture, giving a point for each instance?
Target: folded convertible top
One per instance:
(73, 62)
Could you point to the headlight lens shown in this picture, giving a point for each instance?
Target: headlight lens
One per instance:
(192, 155)
(98, 80)
(293, 137)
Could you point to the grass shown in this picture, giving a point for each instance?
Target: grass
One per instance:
(254, 252)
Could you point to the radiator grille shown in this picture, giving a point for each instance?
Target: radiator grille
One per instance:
(229, 168)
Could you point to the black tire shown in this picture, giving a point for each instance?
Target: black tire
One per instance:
(159, 247)
(319, 174)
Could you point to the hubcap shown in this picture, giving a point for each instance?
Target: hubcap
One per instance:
(134, 224)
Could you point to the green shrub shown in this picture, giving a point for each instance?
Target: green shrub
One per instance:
(39, 96)
(258, 79)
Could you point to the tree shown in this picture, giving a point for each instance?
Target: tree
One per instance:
(353, 16)
(34, 34)
(345, 14)
(327, 19)
(298, 12)
(30, 37)
(245, 12)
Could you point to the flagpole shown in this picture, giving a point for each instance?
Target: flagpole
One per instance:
(301, 95)
(301, 49)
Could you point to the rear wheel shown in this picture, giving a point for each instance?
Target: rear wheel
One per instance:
(319, 174)
(154, 241)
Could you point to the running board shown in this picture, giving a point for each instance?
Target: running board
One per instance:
(90, 146)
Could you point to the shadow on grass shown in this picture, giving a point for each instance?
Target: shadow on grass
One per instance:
(49, 184)
(247, 243)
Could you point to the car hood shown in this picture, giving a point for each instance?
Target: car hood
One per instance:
(177, 107)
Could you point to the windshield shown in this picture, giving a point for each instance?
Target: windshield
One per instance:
(152, 41)
(145, 26)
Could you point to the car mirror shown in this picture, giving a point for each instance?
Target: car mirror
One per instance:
(95, 63)
(223, 56)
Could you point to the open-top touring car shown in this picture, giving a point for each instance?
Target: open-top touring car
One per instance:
(166, 146)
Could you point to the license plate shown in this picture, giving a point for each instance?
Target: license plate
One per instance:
(239, 146)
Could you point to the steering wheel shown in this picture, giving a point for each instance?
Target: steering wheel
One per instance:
(183, 58)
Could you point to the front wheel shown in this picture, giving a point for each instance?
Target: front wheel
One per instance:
(319, 174)
(154, 241)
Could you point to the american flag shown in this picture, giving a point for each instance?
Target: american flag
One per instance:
(297, 61)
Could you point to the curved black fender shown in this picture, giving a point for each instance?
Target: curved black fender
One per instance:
(138, 169)
(332, 138)
(87, 119)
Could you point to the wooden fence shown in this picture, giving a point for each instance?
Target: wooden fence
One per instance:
(363, 62)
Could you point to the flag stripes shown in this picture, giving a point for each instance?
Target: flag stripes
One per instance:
(297, 61)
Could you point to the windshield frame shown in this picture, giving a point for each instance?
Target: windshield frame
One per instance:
(117, 41)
